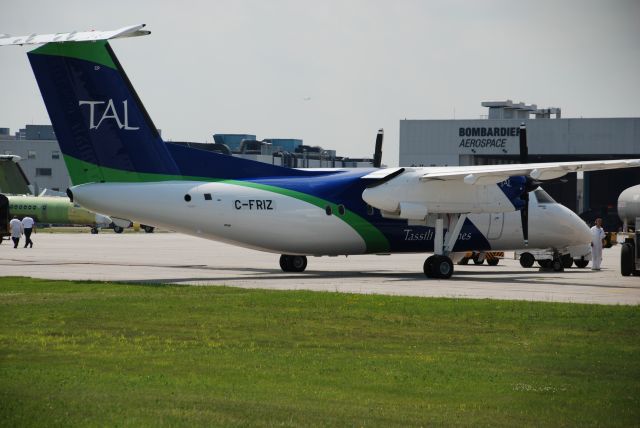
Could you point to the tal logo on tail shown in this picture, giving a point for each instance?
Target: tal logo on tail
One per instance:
(109, 112)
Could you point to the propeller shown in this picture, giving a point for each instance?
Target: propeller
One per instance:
(529, 185)
(377, 155)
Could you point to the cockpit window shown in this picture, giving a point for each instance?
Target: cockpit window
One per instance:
(543, 197)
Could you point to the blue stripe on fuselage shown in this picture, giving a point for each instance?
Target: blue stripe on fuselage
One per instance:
(513, 188)
(336, 186)
(346, 188)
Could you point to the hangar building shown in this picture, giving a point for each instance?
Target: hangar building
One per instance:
(495, 140)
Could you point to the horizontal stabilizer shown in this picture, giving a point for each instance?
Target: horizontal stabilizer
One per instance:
(74, 36)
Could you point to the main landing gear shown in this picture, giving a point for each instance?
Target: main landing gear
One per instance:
(440, 265)
(293, 263)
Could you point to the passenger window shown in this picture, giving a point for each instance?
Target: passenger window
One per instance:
(341, 209)
(328, 210)
(207, 197)
(369, 210)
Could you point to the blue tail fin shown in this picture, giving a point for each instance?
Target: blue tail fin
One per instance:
(104, 132)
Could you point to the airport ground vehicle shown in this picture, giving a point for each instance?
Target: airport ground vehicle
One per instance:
(579, 255)
(4, 217)
(478, 258)
(119, 164)
(630, 252)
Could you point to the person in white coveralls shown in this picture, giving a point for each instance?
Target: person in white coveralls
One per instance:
(597, 242)
(16, 230)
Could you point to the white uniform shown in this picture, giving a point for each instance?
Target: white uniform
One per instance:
(27, 222)
(597, 235)
(16, 228)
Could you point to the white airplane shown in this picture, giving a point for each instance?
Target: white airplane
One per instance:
(119, 164)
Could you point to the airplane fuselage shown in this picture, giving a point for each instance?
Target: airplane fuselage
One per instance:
(53, 209)
(322, 216)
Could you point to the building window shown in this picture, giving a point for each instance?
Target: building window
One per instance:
(207, 196)
(55, 154)
(43, 172)
(31, 154)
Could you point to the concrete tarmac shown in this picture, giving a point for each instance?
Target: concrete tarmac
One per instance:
(179, 259)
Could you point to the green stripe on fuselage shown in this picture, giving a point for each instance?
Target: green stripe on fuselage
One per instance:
(82, 172)
(87, 51)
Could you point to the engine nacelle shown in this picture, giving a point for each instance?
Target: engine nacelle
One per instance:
(405, 196)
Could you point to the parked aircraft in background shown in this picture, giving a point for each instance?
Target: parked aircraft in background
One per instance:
(58, 210)
(119, 164)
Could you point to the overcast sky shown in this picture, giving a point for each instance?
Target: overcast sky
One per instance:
(333, 72)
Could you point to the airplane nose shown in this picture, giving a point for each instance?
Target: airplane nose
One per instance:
(579, 230)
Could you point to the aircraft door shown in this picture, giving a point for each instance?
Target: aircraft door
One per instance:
(4, 216)
(496, 224)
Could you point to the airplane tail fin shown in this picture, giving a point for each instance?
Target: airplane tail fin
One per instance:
(104, 131)
(12, 177)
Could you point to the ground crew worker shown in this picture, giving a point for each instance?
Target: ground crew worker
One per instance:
(597, 242)
(16, 230)
(28, 225)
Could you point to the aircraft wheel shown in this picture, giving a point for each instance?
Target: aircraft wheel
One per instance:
(477, 260)
(557, 265)
(493, 262)
(118, 229)
(527, 260)
(581, 263)
(627, 263)
(94, 230)
(464, 261)
(293, 263)
(442, 267)
(545, 264)
(567, 261)
(297, 263)
(428, 267)
(284, 263)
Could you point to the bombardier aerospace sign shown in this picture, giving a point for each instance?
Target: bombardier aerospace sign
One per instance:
(481, 137)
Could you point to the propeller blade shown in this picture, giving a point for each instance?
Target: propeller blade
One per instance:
(377, 155)
(524, 149)
(530, 185)
(524, 217)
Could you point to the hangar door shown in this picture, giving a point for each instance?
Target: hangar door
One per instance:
(496, 223)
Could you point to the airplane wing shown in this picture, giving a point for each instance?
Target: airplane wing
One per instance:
(490, 174)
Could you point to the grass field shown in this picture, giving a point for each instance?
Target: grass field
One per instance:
(100, 354)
